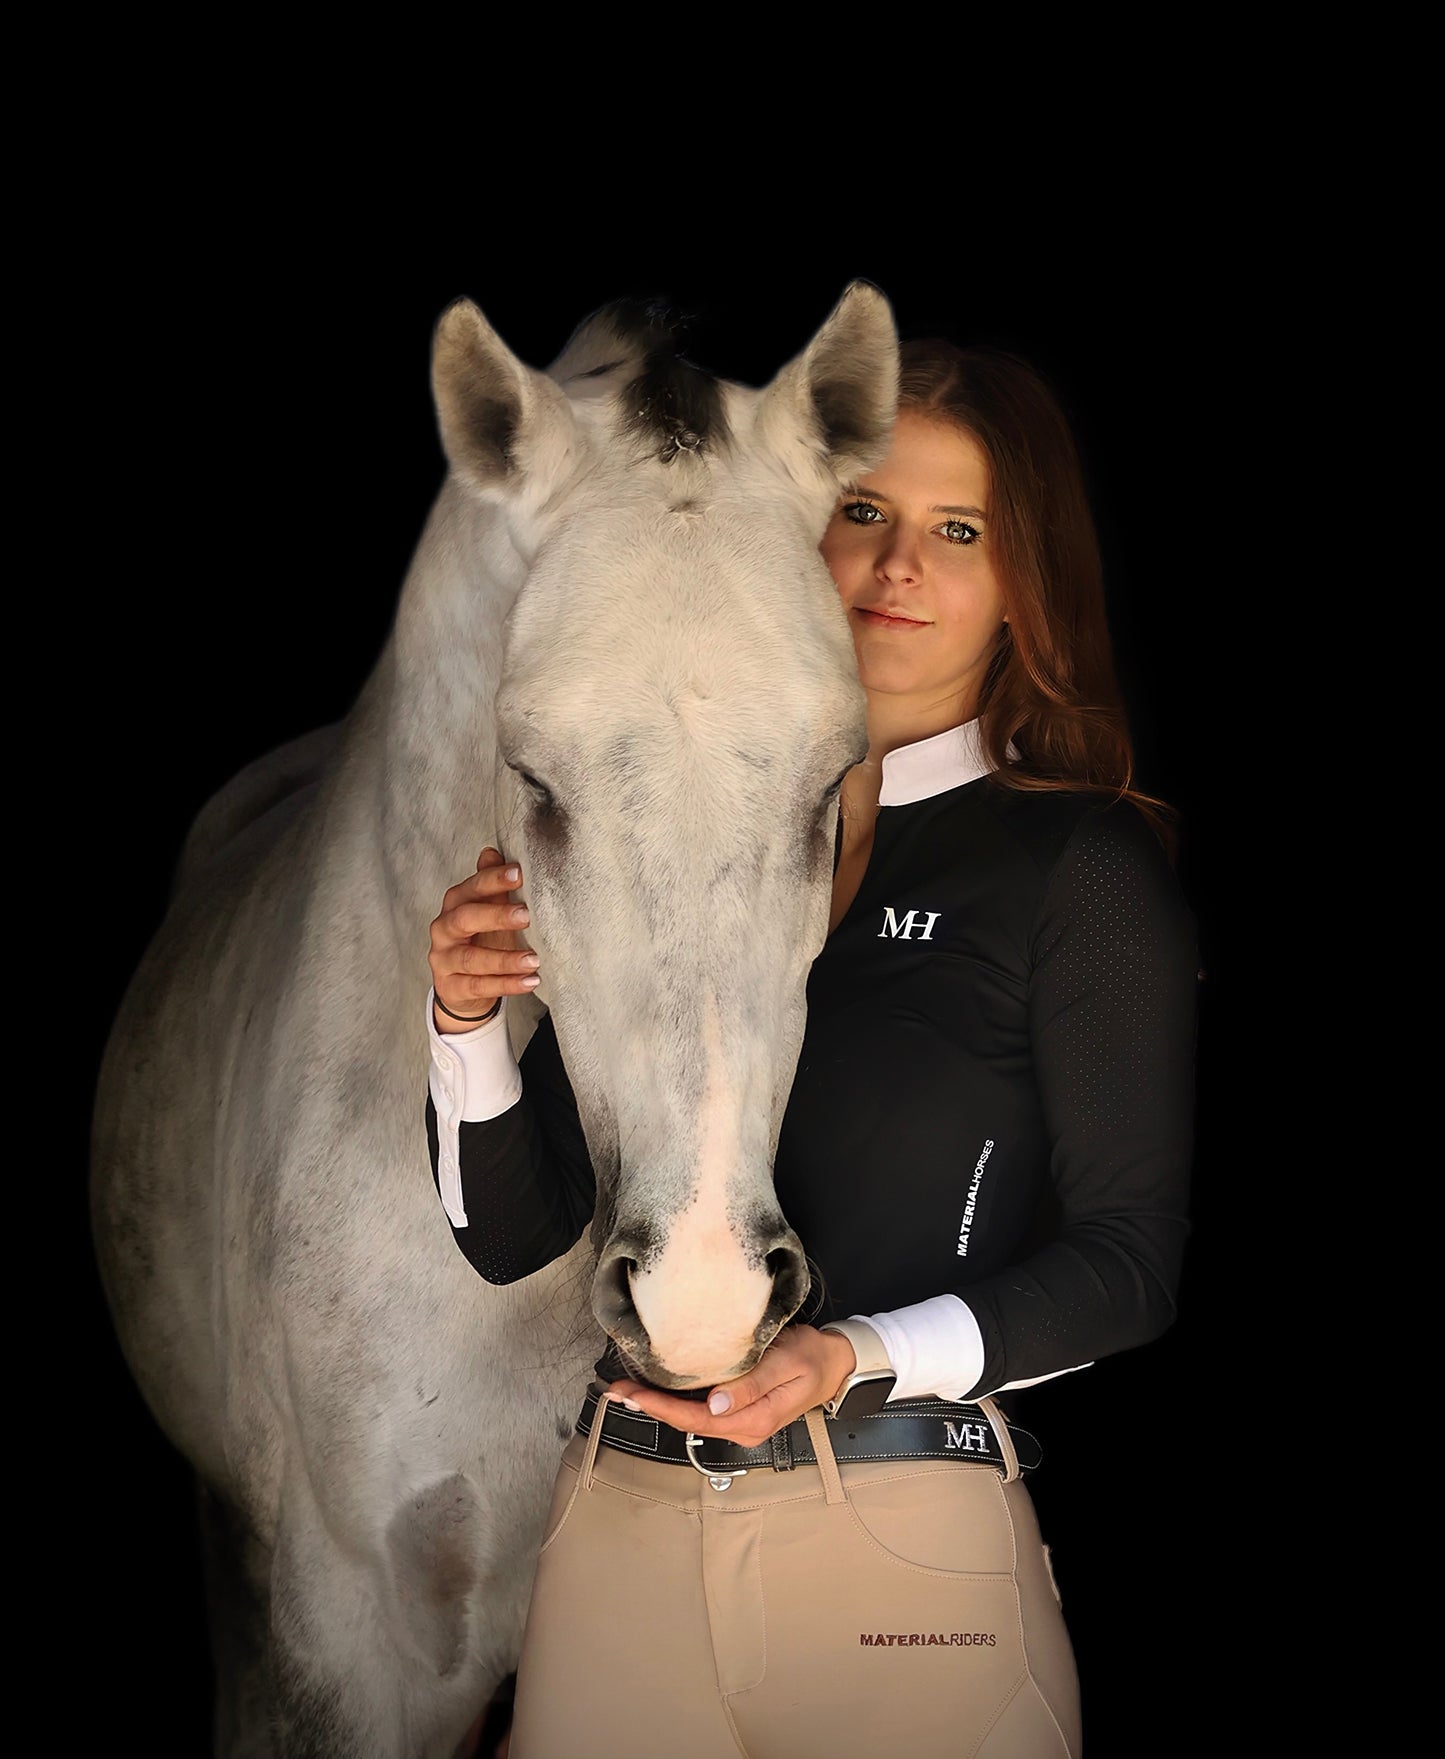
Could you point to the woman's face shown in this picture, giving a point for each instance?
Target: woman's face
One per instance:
(908, 546)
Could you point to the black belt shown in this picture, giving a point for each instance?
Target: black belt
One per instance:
(907, 1429)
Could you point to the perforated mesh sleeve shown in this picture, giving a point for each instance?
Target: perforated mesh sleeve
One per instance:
(1112, 1011)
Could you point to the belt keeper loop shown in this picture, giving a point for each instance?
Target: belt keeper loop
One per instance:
(999, 1425)
(594, 1435)
(823, 1449)
(782, 1447)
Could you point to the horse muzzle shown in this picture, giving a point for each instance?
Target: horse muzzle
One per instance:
(700, 1307)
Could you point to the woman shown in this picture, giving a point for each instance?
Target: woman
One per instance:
(986, 1154)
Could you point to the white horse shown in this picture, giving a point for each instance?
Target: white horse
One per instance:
(618, 656)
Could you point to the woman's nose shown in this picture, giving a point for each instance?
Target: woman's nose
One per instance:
(898, 560)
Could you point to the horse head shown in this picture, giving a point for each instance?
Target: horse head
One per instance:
(677, 706)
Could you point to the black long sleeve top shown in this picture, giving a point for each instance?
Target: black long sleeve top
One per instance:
(993, 1100)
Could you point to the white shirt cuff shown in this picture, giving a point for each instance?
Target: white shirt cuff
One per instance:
(936, 1349)
(473, 1076)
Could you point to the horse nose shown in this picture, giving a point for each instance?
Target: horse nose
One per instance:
(685, 1317)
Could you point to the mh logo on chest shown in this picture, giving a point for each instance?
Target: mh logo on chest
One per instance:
(901, 928)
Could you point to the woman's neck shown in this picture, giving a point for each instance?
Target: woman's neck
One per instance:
(903, 720)
(895, 721)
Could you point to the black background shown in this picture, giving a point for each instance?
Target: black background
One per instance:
(266, 434)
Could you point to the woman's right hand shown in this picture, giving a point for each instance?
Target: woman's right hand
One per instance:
(475, 955)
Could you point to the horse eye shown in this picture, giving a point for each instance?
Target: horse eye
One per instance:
(830, 793)
(829, 802)
(539, 791)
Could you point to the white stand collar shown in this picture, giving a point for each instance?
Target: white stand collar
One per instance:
(933, 766)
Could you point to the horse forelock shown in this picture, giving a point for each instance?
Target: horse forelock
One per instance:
(665, 404)
(672, 407)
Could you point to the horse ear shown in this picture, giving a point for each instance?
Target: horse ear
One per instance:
(842, 390)
(504, 427)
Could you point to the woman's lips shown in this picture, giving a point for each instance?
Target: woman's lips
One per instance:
(887, 620)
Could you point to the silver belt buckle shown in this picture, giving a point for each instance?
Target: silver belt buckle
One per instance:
(718, 1480)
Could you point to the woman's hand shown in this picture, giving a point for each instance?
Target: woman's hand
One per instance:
(475, 955)
(799, 1369)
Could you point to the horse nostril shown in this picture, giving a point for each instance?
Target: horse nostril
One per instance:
(612, 1291)
(787, 1265)
(616, 1312)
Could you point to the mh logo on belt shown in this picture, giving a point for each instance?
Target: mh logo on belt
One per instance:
(903, 931)
(968, 1438)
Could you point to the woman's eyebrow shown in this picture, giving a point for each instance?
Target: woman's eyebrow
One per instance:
(878, 495)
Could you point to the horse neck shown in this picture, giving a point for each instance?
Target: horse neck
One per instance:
(418, 771)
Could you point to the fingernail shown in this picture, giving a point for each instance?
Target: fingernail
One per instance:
(530, 982)
(512, 873)
(520, 913)
(530, 961)
(719, 1403)
(632, 1404)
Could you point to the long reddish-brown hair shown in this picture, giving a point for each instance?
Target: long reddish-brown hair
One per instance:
(1050, 689)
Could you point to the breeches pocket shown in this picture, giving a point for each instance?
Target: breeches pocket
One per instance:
(938, 1517)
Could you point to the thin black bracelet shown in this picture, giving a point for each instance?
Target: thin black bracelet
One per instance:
(470, 1019)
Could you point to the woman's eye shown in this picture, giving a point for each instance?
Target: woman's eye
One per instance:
(862, 512)
(959, 531)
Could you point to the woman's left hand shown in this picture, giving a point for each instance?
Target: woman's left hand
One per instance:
(800, 1368)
